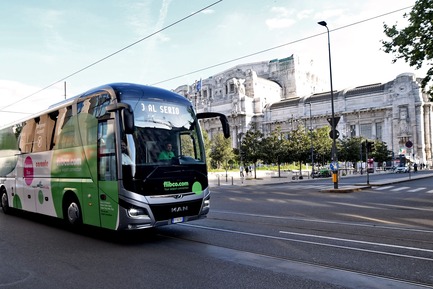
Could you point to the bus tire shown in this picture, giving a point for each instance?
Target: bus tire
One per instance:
(72, 211)
(4, 201)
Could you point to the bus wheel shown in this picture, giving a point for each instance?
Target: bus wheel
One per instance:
(72, 212)
(4, 201)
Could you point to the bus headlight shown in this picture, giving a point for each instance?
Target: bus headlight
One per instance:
(207, 203)
(137, 213)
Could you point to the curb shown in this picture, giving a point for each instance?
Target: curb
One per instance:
(345, 190)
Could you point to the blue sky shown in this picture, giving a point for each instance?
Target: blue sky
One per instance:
(45, 41)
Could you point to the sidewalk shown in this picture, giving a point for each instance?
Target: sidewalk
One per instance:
(271, 177)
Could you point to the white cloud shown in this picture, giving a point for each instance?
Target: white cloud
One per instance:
(278, 23)
(281, 11)
(283, 18)
(303, 14)
(208, 11)
(328, 14)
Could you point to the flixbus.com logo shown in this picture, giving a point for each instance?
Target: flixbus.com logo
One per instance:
(175, 185)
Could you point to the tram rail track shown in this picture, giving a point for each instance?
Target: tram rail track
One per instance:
(322, 272)
(318, 241)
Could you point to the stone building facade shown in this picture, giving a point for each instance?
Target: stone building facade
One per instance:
(284, 92)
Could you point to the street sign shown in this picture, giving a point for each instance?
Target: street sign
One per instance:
(334, 166)
(336, 120)
(331, 134)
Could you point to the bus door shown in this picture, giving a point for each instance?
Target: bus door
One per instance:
(107, 175)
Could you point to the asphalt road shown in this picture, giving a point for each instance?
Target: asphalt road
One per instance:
(283, 235)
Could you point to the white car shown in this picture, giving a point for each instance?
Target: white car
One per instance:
(401, 170)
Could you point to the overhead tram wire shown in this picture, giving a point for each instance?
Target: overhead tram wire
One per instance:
(279, 46)
(112, 54)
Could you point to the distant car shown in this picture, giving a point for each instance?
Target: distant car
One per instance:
(401, 170)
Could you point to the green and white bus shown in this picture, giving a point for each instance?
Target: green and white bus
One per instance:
(67, 161)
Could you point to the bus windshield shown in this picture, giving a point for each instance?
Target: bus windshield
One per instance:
(164, 132)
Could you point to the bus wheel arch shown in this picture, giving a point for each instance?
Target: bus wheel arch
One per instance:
(4, 200)
(72, 213)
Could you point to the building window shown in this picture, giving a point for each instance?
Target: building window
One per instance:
(379, 130)
(365, 130)
(352, 130)
(232, 87)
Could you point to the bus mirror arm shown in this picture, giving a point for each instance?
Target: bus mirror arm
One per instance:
(128, 115)
(224, 121)
(117, 106)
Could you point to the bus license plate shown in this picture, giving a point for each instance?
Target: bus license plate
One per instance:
(177, 220)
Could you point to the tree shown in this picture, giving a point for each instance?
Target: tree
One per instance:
(414, 43)
(350, 149)
(251, 147)
(299, 145)
(222, 151)
(381, 152)
(208, 147)
(322, 145)
(273, 148)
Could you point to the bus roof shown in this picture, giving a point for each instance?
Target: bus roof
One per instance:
(119, 88)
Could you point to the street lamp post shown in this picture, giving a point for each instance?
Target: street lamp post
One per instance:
(333, 124)
(312, 145)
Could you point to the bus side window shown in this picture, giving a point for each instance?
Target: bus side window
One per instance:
(59, 124)
(65, 135)
(43, 133)
(187, 145)
(106, 151)
(27, 136)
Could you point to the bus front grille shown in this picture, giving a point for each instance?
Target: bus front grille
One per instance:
(174, 210)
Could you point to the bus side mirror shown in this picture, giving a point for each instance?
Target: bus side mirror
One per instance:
(128, 115)
(224, 121)
(128, 121)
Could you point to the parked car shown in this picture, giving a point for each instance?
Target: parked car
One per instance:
(322, 173)
(401, 170)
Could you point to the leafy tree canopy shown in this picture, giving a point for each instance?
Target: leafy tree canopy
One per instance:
(273, 147)
(381, 152)
(222, 152)
(414, 43)
(251, 147)
(350, 149)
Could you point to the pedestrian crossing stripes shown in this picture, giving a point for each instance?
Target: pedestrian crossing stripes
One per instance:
(392, 188)
(400, 189)
(416, 190)
(384, 188)
(389, 188)
(403, 189)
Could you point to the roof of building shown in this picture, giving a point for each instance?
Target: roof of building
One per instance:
(365, 89)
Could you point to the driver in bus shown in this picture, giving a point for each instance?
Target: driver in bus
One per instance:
(126, 160)
(166, 154)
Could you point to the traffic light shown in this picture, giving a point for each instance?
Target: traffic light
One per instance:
(370, 146)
